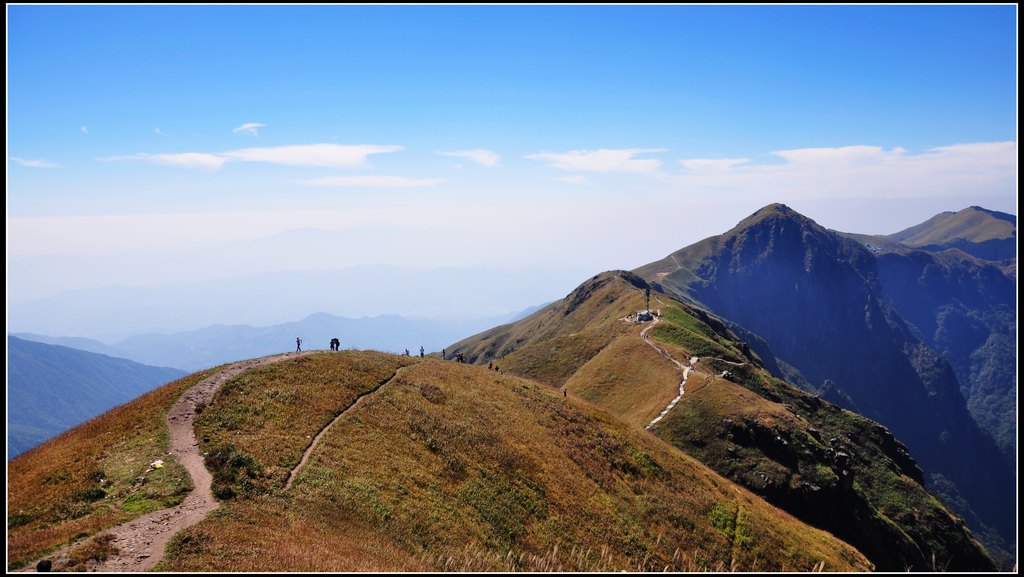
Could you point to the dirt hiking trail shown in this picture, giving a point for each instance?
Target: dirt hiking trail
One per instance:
(141, 541)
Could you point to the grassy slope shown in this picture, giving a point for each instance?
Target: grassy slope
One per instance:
(970, 224)
(84, 480)
(760, 432)
(628, 378)
(273, 412)
(453, 466)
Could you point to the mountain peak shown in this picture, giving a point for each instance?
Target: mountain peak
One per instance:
(774, 212)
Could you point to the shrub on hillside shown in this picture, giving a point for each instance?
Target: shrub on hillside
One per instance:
(234, 473)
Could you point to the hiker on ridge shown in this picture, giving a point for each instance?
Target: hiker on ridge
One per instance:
(298, 345)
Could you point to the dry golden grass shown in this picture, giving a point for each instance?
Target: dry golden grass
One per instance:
(451, 466)
(550, 345)
(714, 397)
(265, 534)
(628, 378)
(53, 490)
(273, 412)
(828, 466)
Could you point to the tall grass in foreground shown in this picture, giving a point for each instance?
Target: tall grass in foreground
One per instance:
(474, 558)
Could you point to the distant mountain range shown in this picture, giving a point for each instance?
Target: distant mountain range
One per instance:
(110, 313)
(53, 388)
(214, 345)
(909, 337)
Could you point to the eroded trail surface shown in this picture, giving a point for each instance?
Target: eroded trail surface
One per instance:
(686, 368)
(141, 541)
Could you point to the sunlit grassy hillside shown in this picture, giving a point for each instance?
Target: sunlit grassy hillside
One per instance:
(830, 467)
(449, 466)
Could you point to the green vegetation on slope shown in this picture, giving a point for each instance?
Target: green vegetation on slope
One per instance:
(449, 466)
(827, 466)
(823, 464)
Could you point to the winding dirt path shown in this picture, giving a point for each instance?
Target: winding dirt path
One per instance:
(141, 541)
(316, 440)
(685, 368)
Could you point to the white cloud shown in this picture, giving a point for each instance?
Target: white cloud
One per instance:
(34, 163)
(250, 128)
(327, 155)
(158, 131)
(574, 179)
(840, 156)
(864, 172)
(184, 160)
(602, 160)
(85, 130)
(481, 156)
(711, 164)
(373, 181)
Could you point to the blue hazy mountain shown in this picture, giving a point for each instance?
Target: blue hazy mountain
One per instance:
(52, 388)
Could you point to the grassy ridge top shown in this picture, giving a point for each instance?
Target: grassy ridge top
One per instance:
(454, 466)
(273, 412)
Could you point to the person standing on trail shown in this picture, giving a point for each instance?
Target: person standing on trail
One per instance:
(421, 352)
(298, 345)
(443, 353)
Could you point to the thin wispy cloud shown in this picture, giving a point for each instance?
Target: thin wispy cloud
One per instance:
(321, 155)
(34, 162)
(250, 128)
(85, 130)
(839, 156)
(602, 160)
(481, 156)
(158, 131)
(373, 181)
(326, 155)
(183, 160)
(867, 172)
(712, 164)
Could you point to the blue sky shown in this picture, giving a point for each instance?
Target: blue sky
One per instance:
(516, 136)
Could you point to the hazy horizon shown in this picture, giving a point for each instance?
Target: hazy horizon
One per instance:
(151, 146)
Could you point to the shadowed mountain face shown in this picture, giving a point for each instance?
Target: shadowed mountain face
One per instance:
(963, 308)
(827, 305)
(829, 467)
(53, 388)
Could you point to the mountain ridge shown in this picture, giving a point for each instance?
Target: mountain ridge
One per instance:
(784, 449)
(826, 305)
